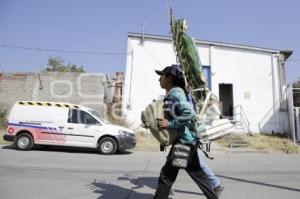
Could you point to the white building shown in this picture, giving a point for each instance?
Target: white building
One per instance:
(249, 81)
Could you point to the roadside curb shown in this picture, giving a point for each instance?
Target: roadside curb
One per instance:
(235, 150)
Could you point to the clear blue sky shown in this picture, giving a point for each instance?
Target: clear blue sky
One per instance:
(101, 26)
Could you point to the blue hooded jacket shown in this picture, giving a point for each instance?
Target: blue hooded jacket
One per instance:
(181, 114)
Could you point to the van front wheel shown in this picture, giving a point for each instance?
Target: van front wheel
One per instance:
(108, 146)
(24, 142)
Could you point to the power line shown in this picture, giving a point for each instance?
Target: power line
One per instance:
(61, 51)
(80, 52)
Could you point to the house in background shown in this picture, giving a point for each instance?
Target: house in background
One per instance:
(249, 81)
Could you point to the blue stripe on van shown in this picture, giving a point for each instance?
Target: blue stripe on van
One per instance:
(30, 126)
(49, 128)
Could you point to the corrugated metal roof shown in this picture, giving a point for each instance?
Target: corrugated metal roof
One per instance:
(287, 53)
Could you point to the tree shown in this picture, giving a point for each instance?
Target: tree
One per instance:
(296, 93)
(56, 64)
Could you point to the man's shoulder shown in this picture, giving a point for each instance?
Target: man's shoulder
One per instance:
(177, 91)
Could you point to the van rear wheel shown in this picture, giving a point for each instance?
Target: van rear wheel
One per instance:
(108, 146)
(24, 142)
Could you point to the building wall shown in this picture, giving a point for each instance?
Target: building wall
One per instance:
(14, 87)
(141, 82)
(84, 89)
(253, 74)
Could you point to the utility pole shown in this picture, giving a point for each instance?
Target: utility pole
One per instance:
(143, 32)
(1, 67)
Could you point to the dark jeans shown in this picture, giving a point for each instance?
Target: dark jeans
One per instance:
(169, 173)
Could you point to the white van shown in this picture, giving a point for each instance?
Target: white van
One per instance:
(62, 124)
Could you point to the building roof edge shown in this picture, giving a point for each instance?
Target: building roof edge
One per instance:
(287, 53)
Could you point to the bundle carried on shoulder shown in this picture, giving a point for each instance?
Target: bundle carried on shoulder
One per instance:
(149, 118)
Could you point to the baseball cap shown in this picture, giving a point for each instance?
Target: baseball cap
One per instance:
(174, 70)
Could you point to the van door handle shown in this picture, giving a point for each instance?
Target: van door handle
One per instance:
(61, 127)
(71, 128)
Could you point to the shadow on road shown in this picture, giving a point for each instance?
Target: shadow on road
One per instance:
(9, 147)
(151, 182)
(260, 183)
(108, 190)
(64, 149)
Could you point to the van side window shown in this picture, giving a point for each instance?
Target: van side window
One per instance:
(81, 117)
(87, 118)
(73, 116)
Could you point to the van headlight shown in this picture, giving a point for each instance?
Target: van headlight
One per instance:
(125, 133)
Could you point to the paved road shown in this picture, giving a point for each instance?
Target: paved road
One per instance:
(61, 173)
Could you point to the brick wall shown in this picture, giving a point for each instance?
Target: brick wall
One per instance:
(86, 89)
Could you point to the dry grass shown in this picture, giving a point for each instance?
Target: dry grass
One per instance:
(146, 142)
(273, 144)
(231, 139)
(266, 143)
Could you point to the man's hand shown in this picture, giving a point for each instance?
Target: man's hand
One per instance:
(163, 123)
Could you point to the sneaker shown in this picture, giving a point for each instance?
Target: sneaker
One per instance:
(218, 190)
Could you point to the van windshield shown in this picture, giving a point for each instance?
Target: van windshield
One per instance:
(99, 116)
